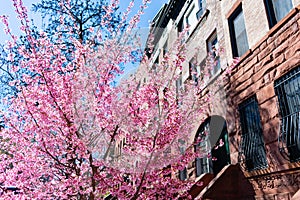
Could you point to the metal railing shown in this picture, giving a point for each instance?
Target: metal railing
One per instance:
(252, 152)
(289, 137)
(287, 89)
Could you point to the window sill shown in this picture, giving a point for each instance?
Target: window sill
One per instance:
(282, 22)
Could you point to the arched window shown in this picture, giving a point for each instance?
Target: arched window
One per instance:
(211, 143)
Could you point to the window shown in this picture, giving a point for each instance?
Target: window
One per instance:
(180, 26)
(202, 7)
(203, 146)
(183, 174)
(287, 89)
(179, 84)
(165, 48)
(203, 165)
(156, 60)
(203, 75)
(238, 35)
(252, 145)
(182, 148)
(220, 152)
(191, 19)
(212, 49)
(276, 10)
(212, 145)
(179, 89)
(193, 72)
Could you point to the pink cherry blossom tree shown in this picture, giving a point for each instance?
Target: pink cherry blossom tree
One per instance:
(70, 134)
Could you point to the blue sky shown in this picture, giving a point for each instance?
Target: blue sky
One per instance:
(8, 9)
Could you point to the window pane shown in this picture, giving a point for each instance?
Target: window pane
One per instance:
(213, 43)
(198, 167)
(281, 8)
(202, 7)
(193, 72)
(212, 47)
(240, 34)
(183, 174)
(204, 163)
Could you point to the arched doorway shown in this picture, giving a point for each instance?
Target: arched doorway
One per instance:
(211, 142)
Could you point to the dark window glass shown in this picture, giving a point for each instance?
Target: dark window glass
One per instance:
(277, 9)
(183, 174)
(165, 48)
(287, 89)
(239, 40)
(252, 145)
(179, 89)
(220, 151)
(182, 148)
(180, 25)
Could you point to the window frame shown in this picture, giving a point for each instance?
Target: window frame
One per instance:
(233, 38)
(189, 14)
(216, 153)
(213, 53)
(271, 14)
(165, 48)
(202, 8)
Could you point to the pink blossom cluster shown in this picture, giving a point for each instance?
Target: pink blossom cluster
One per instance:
(70, 134)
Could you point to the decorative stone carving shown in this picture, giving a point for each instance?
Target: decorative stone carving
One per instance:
(276, 181)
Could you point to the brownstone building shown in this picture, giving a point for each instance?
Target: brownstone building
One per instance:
(258, 119)
(263, 96)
